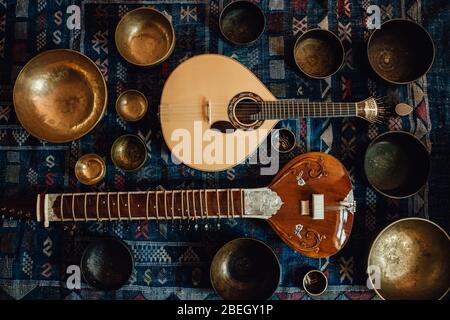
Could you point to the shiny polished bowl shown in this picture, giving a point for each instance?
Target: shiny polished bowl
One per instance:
(107, 264)
(245, 269)
(60, 95)
(131, 105)
(413, 258)
(145, 37)
(90, 169)
(129, 152)
(401, 51)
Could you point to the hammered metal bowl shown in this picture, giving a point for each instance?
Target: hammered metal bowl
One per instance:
(401, 51)
(241, 22)
(107, 264)
(319, 53)
(90, 169)
(245, 269)
(145, 37)
(131, 105)
(413, 258)
(129, 152)
(60, 95)
(397, 164)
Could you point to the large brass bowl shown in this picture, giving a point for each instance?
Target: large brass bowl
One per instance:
(413, 258)
(145, 37)
(245, 269)
(60, 95)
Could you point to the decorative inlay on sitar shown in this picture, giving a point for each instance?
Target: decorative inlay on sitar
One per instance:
(309, 204)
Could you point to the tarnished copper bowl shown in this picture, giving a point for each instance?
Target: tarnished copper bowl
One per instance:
(319, 53)
(60, 95)
(401, 51)
(245, 269)
(90, 169)
(131, 105)
(409, 260)
(145, 37)
(128, 152)
(107, 264)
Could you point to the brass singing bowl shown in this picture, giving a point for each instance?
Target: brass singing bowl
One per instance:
(413, 258)
(90, 169)
(131, 105)
(401, 51)
(145, 37)
(60, 95)
(245, 269)
(319, 53)
(129, 152)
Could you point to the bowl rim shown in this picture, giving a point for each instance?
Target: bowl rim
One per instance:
(94, 242)
(386, 228)
(252, 239)
(105, 89)
(96, 179)
(143, 144)
(129, 91)
(172, 31)
(376, 140)
(407, 21)
(341, 45)
(237, 2)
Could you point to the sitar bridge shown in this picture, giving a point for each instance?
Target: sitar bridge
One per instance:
(316, 206)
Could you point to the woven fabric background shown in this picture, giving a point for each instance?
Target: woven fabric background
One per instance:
(173, 263)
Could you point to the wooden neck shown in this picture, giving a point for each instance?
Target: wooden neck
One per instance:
(295, 109)
(158, 205)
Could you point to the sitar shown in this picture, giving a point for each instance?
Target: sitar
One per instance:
(217, 103)
(309, 204)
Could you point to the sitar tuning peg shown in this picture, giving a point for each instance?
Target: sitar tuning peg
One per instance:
(196, 226)
(206, 226)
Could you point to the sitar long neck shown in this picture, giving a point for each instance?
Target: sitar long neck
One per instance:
(295, 109)
(156, 205)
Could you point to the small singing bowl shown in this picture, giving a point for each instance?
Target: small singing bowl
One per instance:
(283, 140)
(401, 51)
(410, 260)
(245, 269)
(315, 282)
(131, 105)
(107, 264)
(128, 152)
(90, 169)
(397, 164)
(319, 53)
(241, 22)
(145, 37)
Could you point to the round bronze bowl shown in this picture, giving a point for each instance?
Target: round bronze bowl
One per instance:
(128, 152)
(60, 95)
(145, 37)
(413, 259)
(319, 53)
(401, 51)
(90, 169)
(397, 164)
(107, 264)
(131, 105)
(241, 22)
(245, 269)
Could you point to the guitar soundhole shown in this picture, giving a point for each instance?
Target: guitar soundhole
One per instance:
(246, 111)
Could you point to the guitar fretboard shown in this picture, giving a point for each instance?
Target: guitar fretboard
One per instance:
(295, 109)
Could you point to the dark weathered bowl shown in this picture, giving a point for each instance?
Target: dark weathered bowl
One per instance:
(397, 164)
(129, 152)
(245, 269)
(319, 53)
(242, 22)
(107, 264)
(401, 51)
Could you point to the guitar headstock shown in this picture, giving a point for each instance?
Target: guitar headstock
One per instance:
(373, 109)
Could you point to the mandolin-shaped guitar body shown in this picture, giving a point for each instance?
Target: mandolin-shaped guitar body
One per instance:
(326, 228)
(196, 97)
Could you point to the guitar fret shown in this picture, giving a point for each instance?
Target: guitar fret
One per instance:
(205, 192)
(182, 203)
(242, 202)
(187, 204)
(109, 206)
